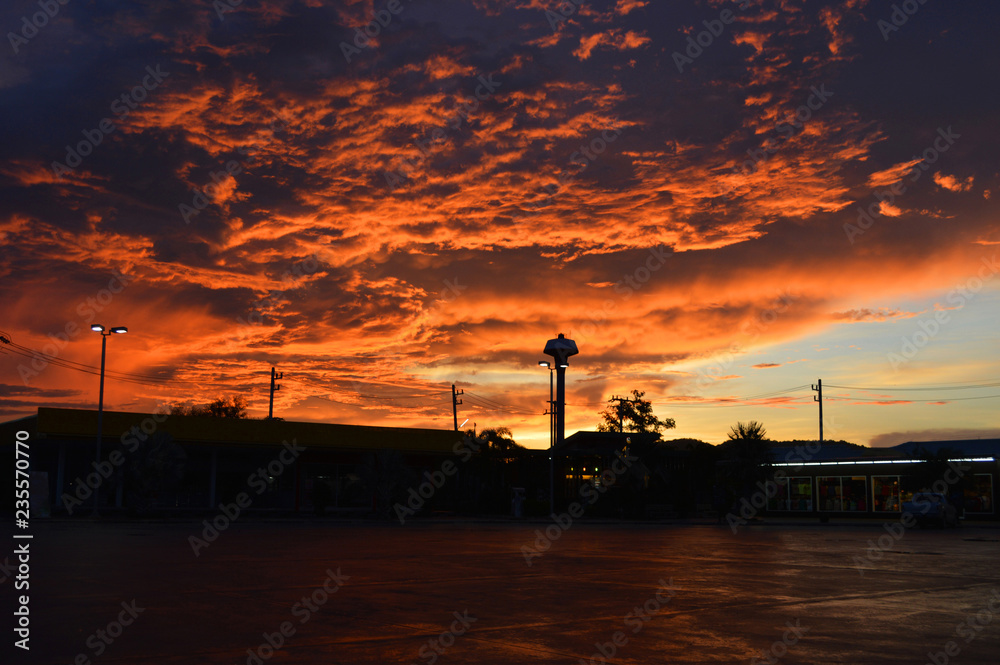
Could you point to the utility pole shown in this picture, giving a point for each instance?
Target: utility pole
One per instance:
(455, 402)
(621, 418)
(274, 386)
(819, 398)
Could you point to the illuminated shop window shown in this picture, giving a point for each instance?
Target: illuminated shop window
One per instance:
(792, 494)
(979, 497)
(885, 494)
(842, 493)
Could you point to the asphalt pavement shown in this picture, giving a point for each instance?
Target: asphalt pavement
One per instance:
(529, 592)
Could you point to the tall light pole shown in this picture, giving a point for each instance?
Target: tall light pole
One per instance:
(118, 330)
(560, 349)
(552, 428)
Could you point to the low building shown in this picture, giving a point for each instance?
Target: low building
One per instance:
(634, 474)
(158, 462)
(830, 480)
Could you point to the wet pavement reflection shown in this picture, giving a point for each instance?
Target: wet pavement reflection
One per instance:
(448, 593)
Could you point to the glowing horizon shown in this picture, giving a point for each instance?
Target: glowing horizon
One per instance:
(380, 219)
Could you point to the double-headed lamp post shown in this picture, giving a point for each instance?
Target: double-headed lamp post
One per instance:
(552, 427)
(100, 400)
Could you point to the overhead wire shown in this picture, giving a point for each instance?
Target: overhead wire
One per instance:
(65, 363)
(993, 384)
(494, 405)
(484, 402)
(906, 400)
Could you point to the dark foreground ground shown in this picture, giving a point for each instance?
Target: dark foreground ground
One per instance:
(734, 596)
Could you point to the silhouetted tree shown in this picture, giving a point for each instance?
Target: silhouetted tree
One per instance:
(498, 452)
(498, 442)
(746, 456)
(221, 407)
(634, 415)
(751, 431)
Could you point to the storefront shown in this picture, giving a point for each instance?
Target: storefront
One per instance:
(882, 480)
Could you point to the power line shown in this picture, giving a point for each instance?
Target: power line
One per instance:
(909, 401)
(49, 359)
(921, 388)
(343, 391)
(487, 399)
(494, 405)
(484, 401)
(97, 372)
(681, 400)
(379, 384)
(804, 386)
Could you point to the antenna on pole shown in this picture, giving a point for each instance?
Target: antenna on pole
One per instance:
(819, 399)
(618, 409)
(274, 386)
(454, 404)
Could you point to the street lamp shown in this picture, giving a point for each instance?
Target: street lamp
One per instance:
(560, 349)
(118, 330)
(552, 427)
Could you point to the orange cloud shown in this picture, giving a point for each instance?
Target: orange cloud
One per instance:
(951, 183)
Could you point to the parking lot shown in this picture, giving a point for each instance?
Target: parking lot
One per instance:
(353, 592)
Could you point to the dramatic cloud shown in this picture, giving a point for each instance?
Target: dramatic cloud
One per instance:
(383, 205)
(953, 184)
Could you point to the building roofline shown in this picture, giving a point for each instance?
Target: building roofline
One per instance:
(117, 425)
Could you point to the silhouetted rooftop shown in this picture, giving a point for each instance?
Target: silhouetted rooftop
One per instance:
(602, 443)
(77, 423)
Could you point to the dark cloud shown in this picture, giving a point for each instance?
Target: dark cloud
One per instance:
(521, 196)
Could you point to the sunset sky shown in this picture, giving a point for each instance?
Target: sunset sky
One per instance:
(690, 190)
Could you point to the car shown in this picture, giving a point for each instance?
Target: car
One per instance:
(931, 508)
